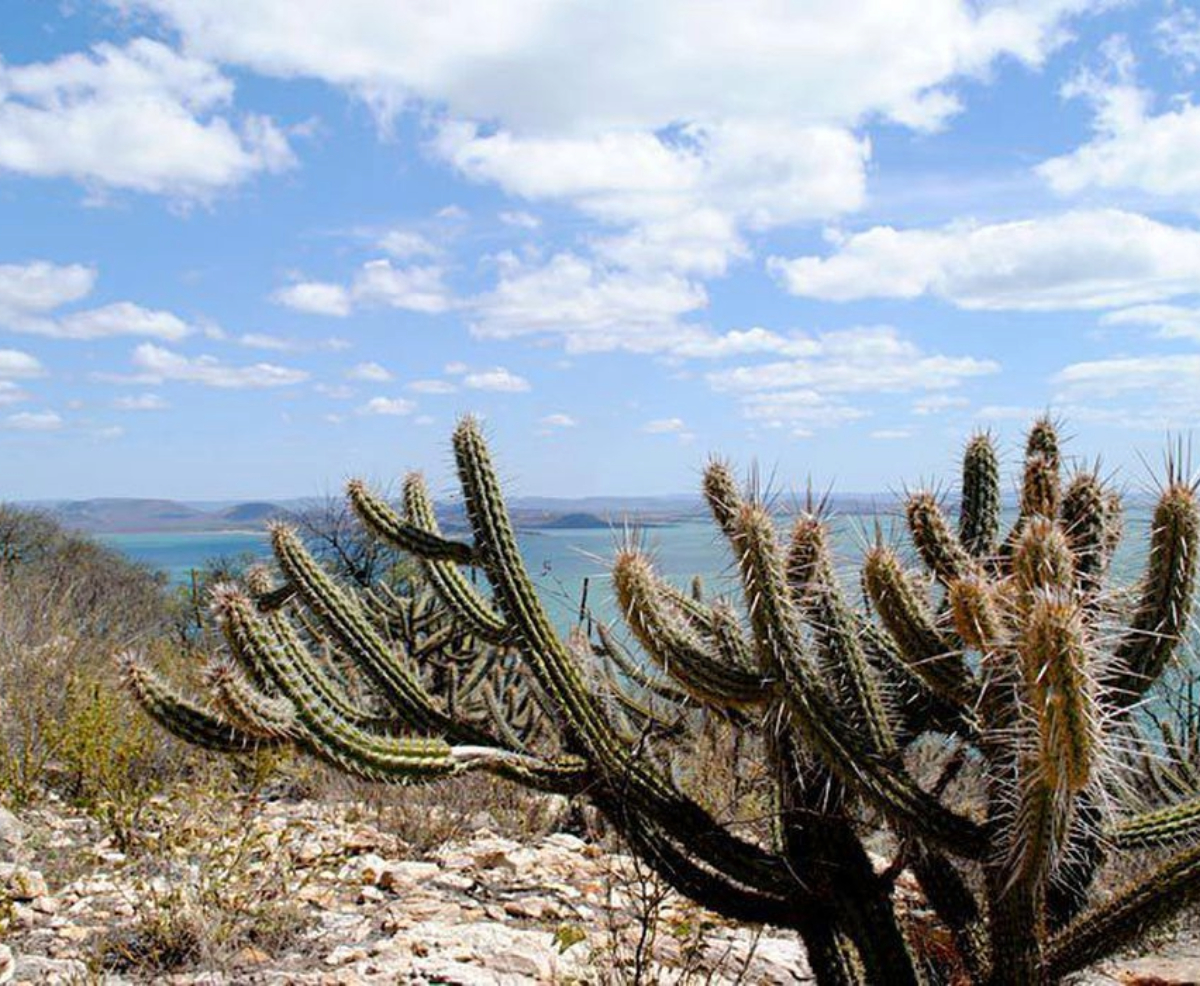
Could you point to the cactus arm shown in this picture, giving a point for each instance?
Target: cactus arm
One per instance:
(1163, 827)
(938, 546)
(777, 637)
(1127, 916)
(611, 650)
(183, 718)
(446, 578)
(1161, 618)
(585, 725)
(926, 652)
(380, 519)
(1083, 509)
(817, 597)
(979, 511)
(673, 645)
(253, 711)
(380, 757)
(343, 617)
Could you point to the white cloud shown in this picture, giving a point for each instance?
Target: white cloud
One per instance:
(404, 244)
(1133, 149)
(431, 387)
(372, 372)
(393, 406)
(10, 393)
(14, 363)
(739, 124)
(377, 283)
(1171, 321)
(118, 319)
(34, 421)
(937, 403)
(141, 117)
(591, 307)
(1111, 377)
(315, 298)
(1074, 260)
(664, 426)
(37, 287)
(891, 434)
(418, 289)
(497, 379)
(683, 198)
(520, 63)
(863, 360)
(140, 402)
(558, 421)
(810, 389)
(157, 364)
(1178, 37)
(519, 219)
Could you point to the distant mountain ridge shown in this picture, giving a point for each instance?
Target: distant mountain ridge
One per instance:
(134, 515)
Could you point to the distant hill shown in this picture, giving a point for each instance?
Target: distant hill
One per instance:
(130, 515)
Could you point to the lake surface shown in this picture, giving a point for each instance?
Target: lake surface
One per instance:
(560, 560)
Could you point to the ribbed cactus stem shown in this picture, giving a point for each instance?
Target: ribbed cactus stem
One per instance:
(382, 521)
(1161, 618)
(808, 557)
(722, 494)
(936, 543)
(1083, 521)
(184, 718)
(777, 637)
(976, 614)
(1043, 559)
(929, 654)
(1040, 487)
(447, 580)
(979, 513)
(671, 642)
(1061, 691)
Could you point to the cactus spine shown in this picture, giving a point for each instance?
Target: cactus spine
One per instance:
(1006, 644)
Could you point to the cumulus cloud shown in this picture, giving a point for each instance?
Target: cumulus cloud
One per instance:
(388, 406)
(141, 402)
(591, 307)
(315, 298)
(735, 130)
(1170, 321)
(139, 116)
(498, 379)
(155, 364)
(377, 284)
(519, 64)
(812, 389)
(404, 244)
(557, 421)
(1075, 260)
(34, 421)
(684, 197)
(14, 363)
(1133, 147)
(371, 372)
(31, 293)
(431, 387)
(11, 393)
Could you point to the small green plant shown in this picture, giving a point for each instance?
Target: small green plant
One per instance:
(1010, 645)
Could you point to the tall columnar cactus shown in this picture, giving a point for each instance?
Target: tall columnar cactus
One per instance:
(1006, 645)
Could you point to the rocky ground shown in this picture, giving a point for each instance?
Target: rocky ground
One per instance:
(307, 892)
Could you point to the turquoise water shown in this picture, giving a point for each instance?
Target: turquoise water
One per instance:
(176, 555)
(560, 560)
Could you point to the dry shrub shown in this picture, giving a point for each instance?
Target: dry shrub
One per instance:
(66, 605)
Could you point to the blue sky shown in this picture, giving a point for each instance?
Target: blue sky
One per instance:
(254, 247)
